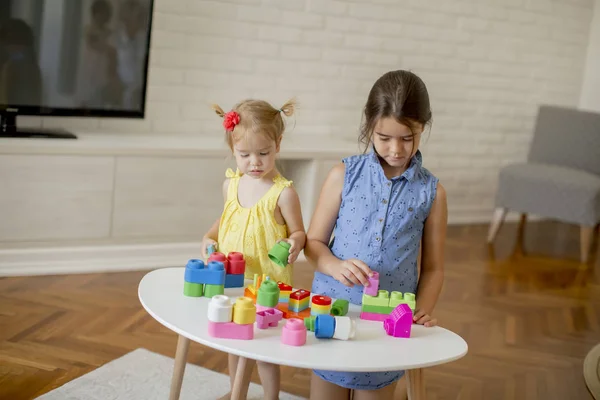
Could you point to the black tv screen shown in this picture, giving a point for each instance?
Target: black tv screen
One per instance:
(74, 57)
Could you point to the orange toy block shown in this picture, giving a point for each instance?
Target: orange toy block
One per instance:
(287, 314)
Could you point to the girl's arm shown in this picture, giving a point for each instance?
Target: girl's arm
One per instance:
(289, 205)
(348, 272)
(432, 260)
(213, 233)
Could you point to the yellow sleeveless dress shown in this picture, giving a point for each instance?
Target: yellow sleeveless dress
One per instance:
(253, 231)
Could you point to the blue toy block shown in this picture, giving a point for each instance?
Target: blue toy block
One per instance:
(234, 280)
(197, 272)
(324, 326)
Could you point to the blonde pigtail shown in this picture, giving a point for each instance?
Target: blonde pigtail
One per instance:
(218, 110)
(289, 107)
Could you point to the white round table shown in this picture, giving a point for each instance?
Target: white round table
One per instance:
(161, 294)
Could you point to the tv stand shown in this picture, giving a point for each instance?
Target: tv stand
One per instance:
(9, 129)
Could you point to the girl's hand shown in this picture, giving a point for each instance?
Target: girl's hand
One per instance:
(422, 318)
(206, 242)
(294, 249)
(352, 272)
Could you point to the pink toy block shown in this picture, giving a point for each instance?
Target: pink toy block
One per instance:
(373, 287)
(231, 330)
(293, 332)
(262, 308)
(369, 316)
(399, 323)
(268, 318)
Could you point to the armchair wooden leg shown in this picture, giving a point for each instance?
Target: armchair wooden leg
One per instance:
(586, 240)
(520, 244)
(497, 220)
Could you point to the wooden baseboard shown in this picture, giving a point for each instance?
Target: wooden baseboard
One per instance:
(94, 259)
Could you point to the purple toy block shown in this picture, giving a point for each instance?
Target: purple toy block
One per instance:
(373, 287)
(399, 323)
(268, 318)
(231, 330)
(369, 316)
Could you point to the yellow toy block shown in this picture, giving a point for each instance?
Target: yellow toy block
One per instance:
(319, 309)
(382, 299)
(244, 311)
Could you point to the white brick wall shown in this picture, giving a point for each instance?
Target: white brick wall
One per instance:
(487, 63)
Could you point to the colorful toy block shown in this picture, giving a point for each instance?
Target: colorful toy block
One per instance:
(268, 294)
(231, 330)
(373, 287)
(299, 300)
(340, 307)
(293, 333)
(287, 313)
(324, 326)
(280, 253)
(197, 272)
(309, 322)
(211, 249)
(399, 322)
(213, 290)
(244, 311)
(320, 305)
(234, 281)
(220, 309)
(284, 292)
(377, 309)
(369, 316)
(345, 328)
(268, 318)
(237, 264)
(397, 298)
(382, 299)
(193, 289)
(218, 256)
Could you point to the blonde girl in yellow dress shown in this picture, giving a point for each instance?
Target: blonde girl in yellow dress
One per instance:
(261, 206)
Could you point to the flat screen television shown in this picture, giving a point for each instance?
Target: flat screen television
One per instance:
(86, 58)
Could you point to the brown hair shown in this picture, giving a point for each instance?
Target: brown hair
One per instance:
(258, 117)
(398, 94)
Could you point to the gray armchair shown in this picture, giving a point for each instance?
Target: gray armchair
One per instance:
(561, 178)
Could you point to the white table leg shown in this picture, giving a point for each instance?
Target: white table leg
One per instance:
(415, 384)
(183, 344)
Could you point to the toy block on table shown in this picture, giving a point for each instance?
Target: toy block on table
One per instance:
(320, 305)
(237, 263)
(197, 272)
(324, 326)
(268, 294)
(231, 330)
(299, 300)
(340, 307)
(268, 318)
(284, 292)
(193, 289)
(244, 311)
(373, 287)
(369, 316)
(377, 309)
(220, 257)
(309, 322)
(220, 309)
(213, 290)
(293, 333)
(382, 299)
(345, 328)
(234, 281)
(399, 322)
(287, 313)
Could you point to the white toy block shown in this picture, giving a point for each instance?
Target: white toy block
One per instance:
(220, 309)
(345, 328)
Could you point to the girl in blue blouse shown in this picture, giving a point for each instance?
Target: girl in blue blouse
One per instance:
(384, 210)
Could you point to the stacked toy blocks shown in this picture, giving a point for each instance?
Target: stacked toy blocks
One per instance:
(284, 292)
(377, 304)
(231, 322)
(235, 266)
(399, 322)
(204, 280)
(330, 327)
(299, 300)
(252, 290)
(267, 295)
(320, 305)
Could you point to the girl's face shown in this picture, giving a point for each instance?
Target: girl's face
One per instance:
(396, 143)
(255, 155)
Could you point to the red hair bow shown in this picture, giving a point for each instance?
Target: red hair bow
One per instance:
(230, 120)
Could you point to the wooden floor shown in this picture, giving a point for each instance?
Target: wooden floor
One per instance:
(528, 320)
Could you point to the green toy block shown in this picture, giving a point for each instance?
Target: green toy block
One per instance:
(377, 309)
(309, 322)
(193, 289)
(409, 298)
(213, 290)
(382, 299)
(397, 298)
(268, 294)
(339, 307)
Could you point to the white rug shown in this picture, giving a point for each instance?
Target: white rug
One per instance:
(144, 375)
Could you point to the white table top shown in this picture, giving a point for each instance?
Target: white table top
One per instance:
(161, 294)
